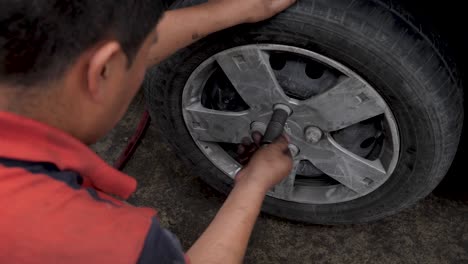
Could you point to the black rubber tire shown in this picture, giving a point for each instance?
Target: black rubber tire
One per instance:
(376, 41)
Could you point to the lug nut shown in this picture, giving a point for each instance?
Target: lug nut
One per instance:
(258, 126)
(284, 107)
(294, 150)
(313, 134)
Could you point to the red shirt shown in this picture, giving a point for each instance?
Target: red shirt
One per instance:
(56, 208)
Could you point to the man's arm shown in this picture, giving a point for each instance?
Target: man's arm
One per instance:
(226, 238)
(179, 28)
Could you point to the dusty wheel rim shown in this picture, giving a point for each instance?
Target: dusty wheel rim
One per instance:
(332, 101)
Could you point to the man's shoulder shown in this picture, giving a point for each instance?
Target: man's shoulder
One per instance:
(48, 212)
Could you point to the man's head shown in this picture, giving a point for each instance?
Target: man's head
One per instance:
(75, 64)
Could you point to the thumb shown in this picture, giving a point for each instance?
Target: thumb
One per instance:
(281, 142)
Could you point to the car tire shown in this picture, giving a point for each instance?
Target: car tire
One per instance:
(373, 39)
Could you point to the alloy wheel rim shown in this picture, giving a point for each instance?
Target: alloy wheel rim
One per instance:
(325, 97)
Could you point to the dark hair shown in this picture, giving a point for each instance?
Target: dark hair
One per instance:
(39, 39)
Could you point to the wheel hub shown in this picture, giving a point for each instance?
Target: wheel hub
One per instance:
(343, 135)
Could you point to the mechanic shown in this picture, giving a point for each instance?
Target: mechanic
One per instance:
(68, 72)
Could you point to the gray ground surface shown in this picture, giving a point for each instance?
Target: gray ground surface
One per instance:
(433, 231)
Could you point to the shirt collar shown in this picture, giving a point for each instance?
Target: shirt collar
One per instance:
(25, 139)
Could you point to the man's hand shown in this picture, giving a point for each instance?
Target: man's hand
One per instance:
(251, 11)
(268, 166)
(181, 27)
(225, 240)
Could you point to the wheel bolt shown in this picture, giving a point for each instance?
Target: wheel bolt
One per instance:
(294, 150)
(257, 126)
(313, 134)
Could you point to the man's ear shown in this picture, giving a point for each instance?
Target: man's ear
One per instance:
(106, 63)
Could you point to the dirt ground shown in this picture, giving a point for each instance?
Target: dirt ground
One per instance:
(433, 231)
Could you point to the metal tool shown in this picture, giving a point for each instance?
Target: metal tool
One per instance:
(275, 127)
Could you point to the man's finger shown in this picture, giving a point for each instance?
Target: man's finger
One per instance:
(283, 145)
(281, 141)
(246, 141)
(257, 137)
(240, 149)
(280, 5)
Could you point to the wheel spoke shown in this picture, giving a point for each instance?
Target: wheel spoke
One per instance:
(285, 188)
(349, 102)
(217, 126)
(354, 172)
(250, 72)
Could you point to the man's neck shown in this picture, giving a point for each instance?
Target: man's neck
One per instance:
(6, 98)
(32, 104)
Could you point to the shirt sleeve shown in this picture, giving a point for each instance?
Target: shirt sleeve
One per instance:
(161, 246)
